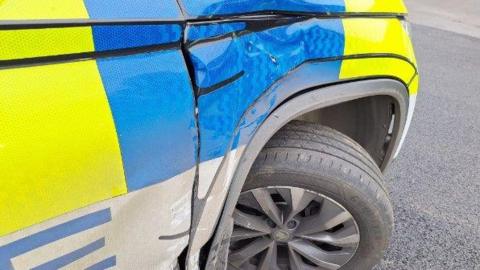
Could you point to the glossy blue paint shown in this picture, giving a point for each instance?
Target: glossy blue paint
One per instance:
(152, 103)
(29, 243)
(104, 264)
(217, 61)
(308, 75)
(265, 57)
(114, 37)
(133, 9)
(208, 8)
(204, 31)
(72, 256)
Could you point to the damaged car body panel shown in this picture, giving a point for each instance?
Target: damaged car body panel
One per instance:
(246, 68)
(236, 68)
(155, 108)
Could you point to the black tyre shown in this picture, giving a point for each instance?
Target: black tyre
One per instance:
(314, 199)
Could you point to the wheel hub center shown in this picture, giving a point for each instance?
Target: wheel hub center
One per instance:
(281, 236)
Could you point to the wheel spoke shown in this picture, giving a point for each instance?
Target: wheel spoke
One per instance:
(269, 260)
(242, 234)
(238, 257)
(296, 262)
(329, 216)
(345, 237)
(247, 199)
(251, 222)
(299, 199)
(327, 259)
(264, 199)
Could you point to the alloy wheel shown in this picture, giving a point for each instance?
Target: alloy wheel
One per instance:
(291, 228)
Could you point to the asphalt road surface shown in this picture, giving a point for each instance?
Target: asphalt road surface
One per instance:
(461, 16)
(435, 182)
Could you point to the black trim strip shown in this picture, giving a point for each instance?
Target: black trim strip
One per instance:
(41, 24)
(252, 26)
(234, 16)
(85, 56)
(363, 56)
(353, 57)
(174, 236)
(319, 60)
(255, 24)
(204, 91)
(33, 24)
(413, 78)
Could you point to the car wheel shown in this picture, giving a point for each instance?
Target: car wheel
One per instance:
(314, 199)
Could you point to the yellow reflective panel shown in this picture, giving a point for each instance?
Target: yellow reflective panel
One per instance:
(381, 6)
(42, 9)
(377, 35)
(19, 44)
(381, 67)
(58, 145)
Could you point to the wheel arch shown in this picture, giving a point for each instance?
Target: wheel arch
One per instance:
(369, 121)
(312, 101)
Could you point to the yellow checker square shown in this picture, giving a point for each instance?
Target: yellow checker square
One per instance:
(391, 6)
(391, 67)
(58, 145)
(29, 43)
(44, 9)
(383, 36)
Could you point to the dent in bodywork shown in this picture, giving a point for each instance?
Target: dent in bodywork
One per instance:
(263, 57)
(257, 64)
(197, 32)
(258, 58)
(276, 63)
